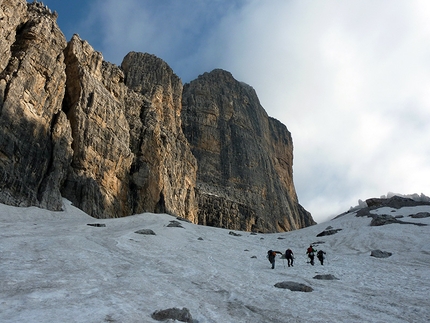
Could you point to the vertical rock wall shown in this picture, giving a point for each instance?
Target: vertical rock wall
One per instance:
(98, 180)
(244, 178)
(32, 83)
(164, 171)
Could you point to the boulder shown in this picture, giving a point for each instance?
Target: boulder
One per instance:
(145, 232)
(420, 215)
(328, 232)
(293, 286)
(176, 314)
(380, 254)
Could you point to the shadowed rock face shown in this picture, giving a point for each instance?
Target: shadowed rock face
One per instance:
(111, 139)
(34, 139)
(244, 177)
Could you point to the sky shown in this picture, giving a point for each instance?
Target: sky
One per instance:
(56, 268)
(349, 79)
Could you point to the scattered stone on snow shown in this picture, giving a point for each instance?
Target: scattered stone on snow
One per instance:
(326, 277)
(234, 234)
(100, 225)
(380, 254)
(182, 315)
(145, 231)
(254, 257)
(253, 233)
(328, 232)
(175, 224)
(420, 215)
(280, 238)
(200, 238)
(293, 286)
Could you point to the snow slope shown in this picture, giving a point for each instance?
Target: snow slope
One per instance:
(56, 268)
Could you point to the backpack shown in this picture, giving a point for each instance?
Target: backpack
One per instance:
(288, 253)
(310, 251)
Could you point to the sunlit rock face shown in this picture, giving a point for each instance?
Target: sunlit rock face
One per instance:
(245, 158)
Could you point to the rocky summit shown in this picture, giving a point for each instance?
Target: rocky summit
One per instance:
(121, 140)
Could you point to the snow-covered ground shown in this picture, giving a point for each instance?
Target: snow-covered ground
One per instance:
(56, 268)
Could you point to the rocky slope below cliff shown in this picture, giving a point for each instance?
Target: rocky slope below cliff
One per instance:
(110, 139)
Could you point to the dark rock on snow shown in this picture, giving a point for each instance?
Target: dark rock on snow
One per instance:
(380, 254)
(326, 277)
(234, 234)
(420, 215)
(328, 232)
(146, 231)
(96, 224)
(383, 219)
(181, 315)
(175, 224)
(293, 286)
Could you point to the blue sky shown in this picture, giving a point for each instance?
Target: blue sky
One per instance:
(350, 79)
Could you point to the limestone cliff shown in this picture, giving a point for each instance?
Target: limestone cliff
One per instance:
(111, 139)
(245, 158)
(34, 150)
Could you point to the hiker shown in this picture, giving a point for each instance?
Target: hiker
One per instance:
(271, 256)
(311, 254)
(320, 256)
(290, 257)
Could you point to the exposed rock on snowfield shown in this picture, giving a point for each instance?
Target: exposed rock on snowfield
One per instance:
(176, 314)
(380, 254)
(245, 158)
(420, 215)
(328, 232)
(146, 231)
(326, 277)
(395, 202)
(111, 140)
(293, 286)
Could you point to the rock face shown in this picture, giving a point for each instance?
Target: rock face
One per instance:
(123, 140)
(34, 137)
(245, 158)
(163, 174)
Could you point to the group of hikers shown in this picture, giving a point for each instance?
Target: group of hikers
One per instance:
(289, 255)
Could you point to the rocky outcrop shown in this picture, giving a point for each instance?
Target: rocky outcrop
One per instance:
(98, 179)
(111, 139)
(70, 126)
(163, 174)
(33, 134)
(244, 177)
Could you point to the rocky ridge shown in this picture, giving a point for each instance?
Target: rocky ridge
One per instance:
(123, 140)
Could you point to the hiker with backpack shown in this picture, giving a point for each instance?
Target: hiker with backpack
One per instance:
(311, 254)
(271, 255)
(320, 256)
(289, 255)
